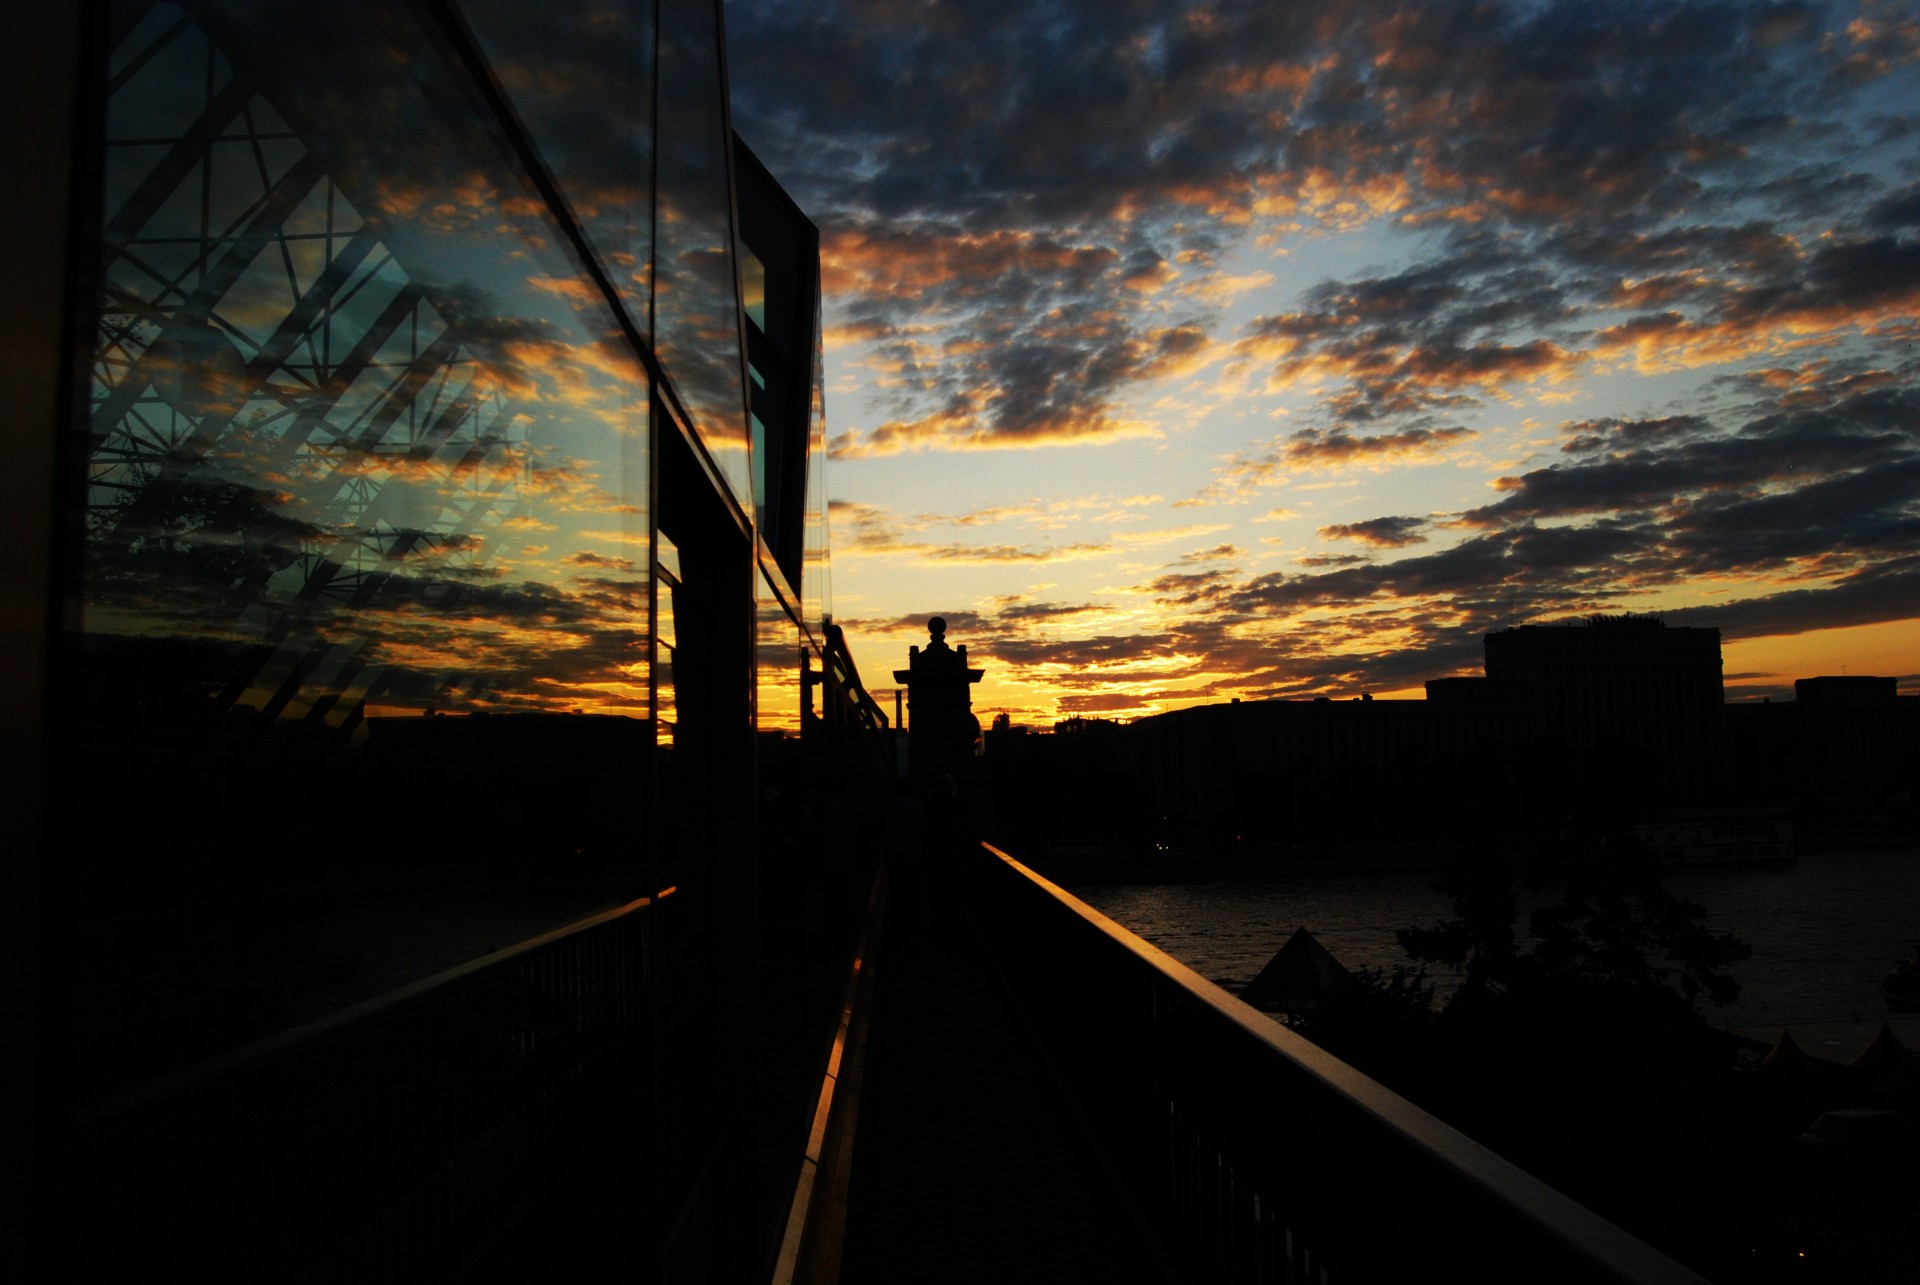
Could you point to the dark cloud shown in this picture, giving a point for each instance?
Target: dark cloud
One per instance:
(1839, 279)
(1004, 552)
(1097, 703)
(1023, 178)
(1100, 659)
(1870, 596)
(1801, 453)
(958, 622)
(1214, 657)
(1897, 211)
(1820, 486)
(1381, 533)
(1313, 446)
(586, 558)
(1587, 436)
(1022, 610)
(1188, 588)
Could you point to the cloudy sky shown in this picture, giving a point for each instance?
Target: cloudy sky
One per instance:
(1179, 352)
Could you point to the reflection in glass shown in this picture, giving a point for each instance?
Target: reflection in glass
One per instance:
(666, 638)
(696, 303)
(779, 254)
(816, 578)
(363, 564)
(343, 480)
(779, 646)
(753, 288)
(581, 78)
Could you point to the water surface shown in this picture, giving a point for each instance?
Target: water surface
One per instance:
(1824, 929)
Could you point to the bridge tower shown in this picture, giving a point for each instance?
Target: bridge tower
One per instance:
(941, 728)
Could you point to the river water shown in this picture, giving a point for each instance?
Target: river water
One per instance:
(1824, 929)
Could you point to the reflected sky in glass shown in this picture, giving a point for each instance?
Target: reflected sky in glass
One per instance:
(581, 80)
(696, 299)
(778, 651)
(364, 439)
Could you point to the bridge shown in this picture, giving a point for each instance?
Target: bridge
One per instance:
(1010, 1087)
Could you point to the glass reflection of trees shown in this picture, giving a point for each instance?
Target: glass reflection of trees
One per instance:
(362, 440)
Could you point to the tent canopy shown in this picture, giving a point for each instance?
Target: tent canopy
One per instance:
(1299, 976)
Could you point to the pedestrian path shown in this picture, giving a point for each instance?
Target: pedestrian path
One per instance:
(967, 1162)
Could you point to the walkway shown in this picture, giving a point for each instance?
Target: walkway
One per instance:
(967, 1164)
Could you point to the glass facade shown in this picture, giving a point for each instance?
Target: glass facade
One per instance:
(816, 572)
(364, 442)
(696, 296)
(579, 77)
(385, 324)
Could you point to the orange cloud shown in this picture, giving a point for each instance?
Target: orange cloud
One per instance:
(965, 428)
(1670, 341)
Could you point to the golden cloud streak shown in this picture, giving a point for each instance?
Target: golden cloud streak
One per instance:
(962, 429)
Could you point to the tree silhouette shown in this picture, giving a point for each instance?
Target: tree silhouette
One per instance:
(1605, 938)
(1574, 1043)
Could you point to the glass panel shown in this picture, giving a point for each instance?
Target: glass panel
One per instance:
(760, 456)
(365, 444)
(779, 644)
(817, 586)
(666, 638)
(581, 78)
(753, 285)
(696, 304)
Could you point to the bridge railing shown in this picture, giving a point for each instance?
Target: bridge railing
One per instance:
(1254, 1154)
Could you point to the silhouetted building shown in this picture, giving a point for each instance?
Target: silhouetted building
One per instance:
(1305, 771)
(1631, 702)
(1611, 720)
(427, 429)
(1846, 748)
(1857, 744)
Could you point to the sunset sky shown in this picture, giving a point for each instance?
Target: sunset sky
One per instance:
(1180, 352)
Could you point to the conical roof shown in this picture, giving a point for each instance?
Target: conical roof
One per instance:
(1885, 1066)
(1299, 976)
(1786, 1057)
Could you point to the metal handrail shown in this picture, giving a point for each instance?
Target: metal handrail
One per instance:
(1260, 1155)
